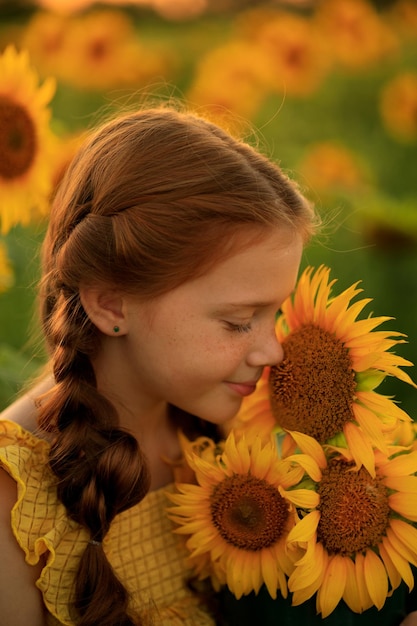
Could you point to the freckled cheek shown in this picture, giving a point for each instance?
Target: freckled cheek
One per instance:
(193, 344)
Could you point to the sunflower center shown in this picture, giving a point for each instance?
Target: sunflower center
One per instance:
(248, 512)
(17, 139)
(99, 49)
(312, 390)
(354, 509)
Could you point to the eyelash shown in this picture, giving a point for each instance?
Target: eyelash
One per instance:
(239, 328)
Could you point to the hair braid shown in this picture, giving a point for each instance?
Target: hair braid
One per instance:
(99, 467)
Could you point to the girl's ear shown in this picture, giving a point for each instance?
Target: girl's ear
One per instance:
(104, 306)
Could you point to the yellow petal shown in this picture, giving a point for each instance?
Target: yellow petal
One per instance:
(393, 573)
(371, 426)
(405, 533)
(305, 529)
(308, 464)
(365, 598)
(333, 585)
(402, 465)
(302, 498)
(302, 595)
(305, 581)
(269, 572)
(405, 484)
(360, 448)
(236, 455)
(262, 458)
(351, 594)
(401, 564)
(405, 551)
(375, 578)
(311, 447)
(405, 504)
(381, 405)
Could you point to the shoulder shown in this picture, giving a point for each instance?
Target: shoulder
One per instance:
(24, 482)
(23, 410)
(20, 600)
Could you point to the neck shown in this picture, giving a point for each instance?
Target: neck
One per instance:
(155, 431)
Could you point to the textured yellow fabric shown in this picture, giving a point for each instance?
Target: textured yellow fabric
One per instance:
(146, 555)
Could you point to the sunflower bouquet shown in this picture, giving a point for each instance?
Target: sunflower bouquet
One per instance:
(314, 491)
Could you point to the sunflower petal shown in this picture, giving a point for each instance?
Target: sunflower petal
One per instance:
(401, 547)
(365, 598)
(269, 572)
(405, 504)
(308, 463)
(333, 585)
(360, 447)
(302, 498)
(375, 578)
(310, 446)
(405, 533)
(305, 529)
(393, 573)
(402, 465)
(371, 426)
(400, 563)
(351, 594)
(405, 484)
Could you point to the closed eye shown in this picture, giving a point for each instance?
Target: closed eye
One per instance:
(239, 328)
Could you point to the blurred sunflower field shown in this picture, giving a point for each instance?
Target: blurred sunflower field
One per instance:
(327, 88)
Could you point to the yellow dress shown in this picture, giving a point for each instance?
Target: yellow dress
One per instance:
(146, 555)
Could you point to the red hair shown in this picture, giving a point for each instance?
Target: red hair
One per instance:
(153, 199)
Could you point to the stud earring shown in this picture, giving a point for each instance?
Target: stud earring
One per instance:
(116, 329)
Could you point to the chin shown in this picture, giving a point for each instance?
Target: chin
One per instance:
(223, 416)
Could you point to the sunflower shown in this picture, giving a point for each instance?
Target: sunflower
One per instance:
(356, 35)
(360, 539)
(333, 362)
(331, 167)
(25, 140)
(398, 106)
(239, 513)
(102, 51)
(243, 71)
(297, 56)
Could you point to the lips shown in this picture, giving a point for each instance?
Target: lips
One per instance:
(243, 389)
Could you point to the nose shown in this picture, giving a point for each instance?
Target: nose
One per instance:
(266, 351)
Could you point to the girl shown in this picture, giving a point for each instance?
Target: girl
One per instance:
(170, 248)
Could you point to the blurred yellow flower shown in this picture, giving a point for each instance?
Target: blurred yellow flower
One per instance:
(356, 35)
(102, 50)
(230, 79)
(398, 106)
(239, 514)
(331, 167)
(298, 61)
(44, 38)
(360, 539)
(6, 272)
(26, 141)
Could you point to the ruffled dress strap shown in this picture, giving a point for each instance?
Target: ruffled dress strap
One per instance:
(39, 520)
